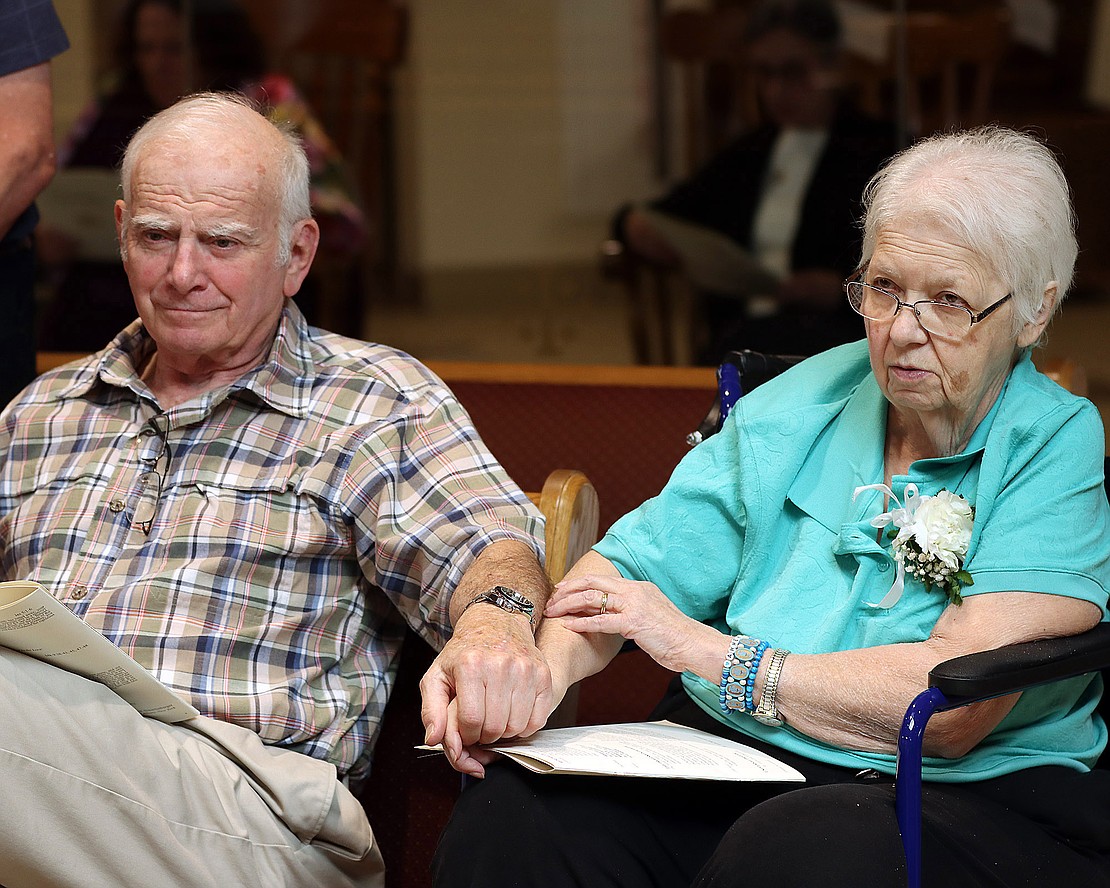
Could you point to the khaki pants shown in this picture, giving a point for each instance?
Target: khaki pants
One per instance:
(92, 794)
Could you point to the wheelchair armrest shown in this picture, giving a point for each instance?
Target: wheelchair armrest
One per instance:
(1009, 669)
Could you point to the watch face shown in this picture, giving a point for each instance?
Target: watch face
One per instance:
(513, 599)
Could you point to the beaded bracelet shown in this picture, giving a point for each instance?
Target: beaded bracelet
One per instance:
(738, 673)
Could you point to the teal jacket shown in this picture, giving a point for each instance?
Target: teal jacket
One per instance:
(757, 532)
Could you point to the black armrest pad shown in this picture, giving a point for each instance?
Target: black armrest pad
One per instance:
(1009, 669)
(757, 367)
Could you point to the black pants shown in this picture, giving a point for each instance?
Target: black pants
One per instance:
(1043, 827)
(17, 326)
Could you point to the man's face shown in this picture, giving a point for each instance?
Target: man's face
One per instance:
(201, 239)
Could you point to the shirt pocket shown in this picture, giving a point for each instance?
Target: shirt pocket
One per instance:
(910, 619)
(258, 548)
(48, 511)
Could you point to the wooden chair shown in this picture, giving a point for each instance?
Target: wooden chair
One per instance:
(948, 70)
(704, 49)
(344, 65)
(952, 56)
(951, 61)
(701, 52)
(409, 796)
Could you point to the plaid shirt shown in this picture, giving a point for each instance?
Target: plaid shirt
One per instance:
(299, 519)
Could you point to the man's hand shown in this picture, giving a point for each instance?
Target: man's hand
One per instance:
(645, 241)
(489, 681)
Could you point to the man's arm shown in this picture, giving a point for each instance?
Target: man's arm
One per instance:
(490, 680)
(26, 140)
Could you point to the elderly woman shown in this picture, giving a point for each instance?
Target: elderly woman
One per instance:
(876, 510)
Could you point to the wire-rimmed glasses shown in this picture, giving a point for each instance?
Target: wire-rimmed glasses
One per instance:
(943, 319)
(151, 480)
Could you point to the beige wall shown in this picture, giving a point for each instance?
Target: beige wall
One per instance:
(520, 132)
(72, 71)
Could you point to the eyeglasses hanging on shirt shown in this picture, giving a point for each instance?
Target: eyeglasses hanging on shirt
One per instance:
(155, 458)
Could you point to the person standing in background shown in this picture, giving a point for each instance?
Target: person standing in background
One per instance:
(30, 36)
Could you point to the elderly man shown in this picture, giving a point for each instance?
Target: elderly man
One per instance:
(254, 509)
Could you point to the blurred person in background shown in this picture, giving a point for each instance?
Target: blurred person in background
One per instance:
(166, 55)
(786, 192)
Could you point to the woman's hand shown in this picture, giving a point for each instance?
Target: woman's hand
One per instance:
(638, 611)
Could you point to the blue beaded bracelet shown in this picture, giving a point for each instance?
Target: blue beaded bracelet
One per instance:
(738, 673)
(749, 689)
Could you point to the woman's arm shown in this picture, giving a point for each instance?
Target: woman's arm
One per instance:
(856, 699)
(572, 656)
(595, 608)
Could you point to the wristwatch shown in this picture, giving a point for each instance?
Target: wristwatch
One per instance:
(506, 599)
(767, 711)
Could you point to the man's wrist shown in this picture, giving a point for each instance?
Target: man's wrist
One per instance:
(507, 599)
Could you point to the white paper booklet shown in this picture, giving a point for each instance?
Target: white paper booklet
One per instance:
(711, 260)
(34, 622)
(644, 749)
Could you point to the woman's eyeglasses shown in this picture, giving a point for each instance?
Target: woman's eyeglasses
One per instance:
(939, 318)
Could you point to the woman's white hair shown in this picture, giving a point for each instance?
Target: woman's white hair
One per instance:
(214, 112)
(1000, 192)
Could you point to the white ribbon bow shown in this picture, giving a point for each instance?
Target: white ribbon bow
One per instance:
(899, 517)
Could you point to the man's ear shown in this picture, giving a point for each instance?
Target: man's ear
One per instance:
(120, 209)
(302, 249)
(1033, 330)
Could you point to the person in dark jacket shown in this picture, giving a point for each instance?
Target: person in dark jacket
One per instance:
(787, 193)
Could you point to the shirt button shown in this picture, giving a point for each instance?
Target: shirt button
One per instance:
(884, 566)
(116, 505)
(78, 592)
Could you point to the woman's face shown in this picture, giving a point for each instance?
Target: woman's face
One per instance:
(796, 82)
(160, 53)
(954, 381)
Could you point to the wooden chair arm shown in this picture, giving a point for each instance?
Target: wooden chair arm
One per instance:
(569, 503)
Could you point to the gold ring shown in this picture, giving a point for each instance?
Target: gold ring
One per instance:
(604, 602)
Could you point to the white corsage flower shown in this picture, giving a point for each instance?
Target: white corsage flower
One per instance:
(931, 536)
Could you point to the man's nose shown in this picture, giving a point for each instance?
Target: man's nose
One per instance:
(186, 267)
